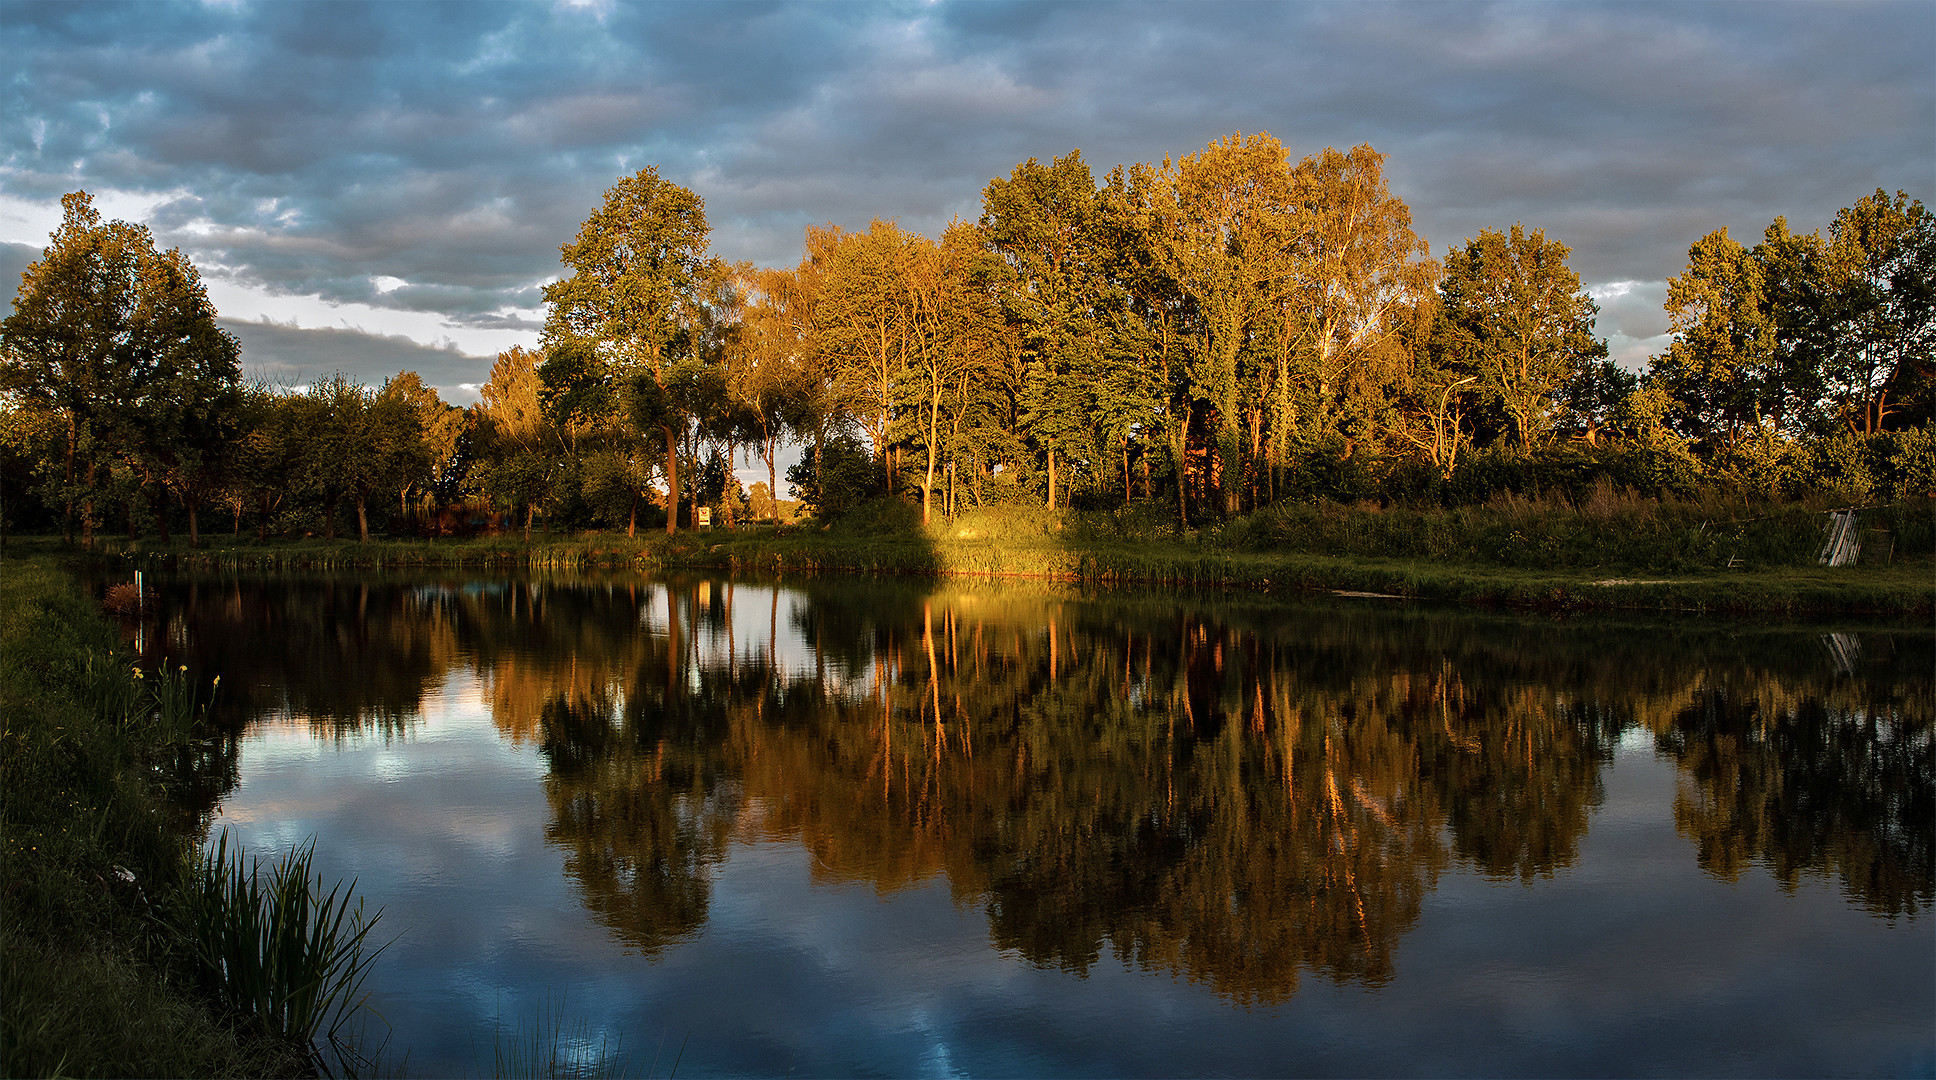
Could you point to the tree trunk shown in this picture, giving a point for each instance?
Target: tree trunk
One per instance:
(362, 520)
(194, 530)
(927, 485)
(632, 523)
(161, 512)
(529, 510)
(672, 480)
(1179, 455)
(772, 480)
(1052, 478)
(67, 481)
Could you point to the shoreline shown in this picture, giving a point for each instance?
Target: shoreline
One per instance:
(1905, 588)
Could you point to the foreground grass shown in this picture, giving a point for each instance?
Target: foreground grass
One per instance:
(93, 980)
(1719, 555)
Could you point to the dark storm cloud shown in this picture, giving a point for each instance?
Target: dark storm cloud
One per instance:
(289, 356)
(312, 148)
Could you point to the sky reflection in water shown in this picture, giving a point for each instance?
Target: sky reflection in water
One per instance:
(1146, 837)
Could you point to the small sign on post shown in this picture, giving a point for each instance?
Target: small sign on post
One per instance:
(703, 517)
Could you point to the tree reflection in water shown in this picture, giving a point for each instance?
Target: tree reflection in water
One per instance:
(1239, 793)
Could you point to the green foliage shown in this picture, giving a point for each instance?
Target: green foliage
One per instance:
(100, 1010)
(844, 477)
(883, 514)
(1602, 529)
(1909, 463)
(1233, 327)
(1513, 316)
(114, 346)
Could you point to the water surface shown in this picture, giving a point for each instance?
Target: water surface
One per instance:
(865, 828)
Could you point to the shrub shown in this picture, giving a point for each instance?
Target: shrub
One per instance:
(846, 476)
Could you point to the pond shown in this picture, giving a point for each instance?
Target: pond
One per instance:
(855, 827)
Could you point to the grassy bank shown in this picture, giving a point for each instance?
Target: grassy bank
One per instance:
(1720, 555)
(102, 975)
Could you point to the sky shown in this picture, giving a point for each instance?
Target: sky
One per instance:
(369, 189)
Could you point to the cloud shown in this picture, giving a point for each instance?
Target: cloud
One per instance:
(286, 355)
(1632, 320)
(312, 149)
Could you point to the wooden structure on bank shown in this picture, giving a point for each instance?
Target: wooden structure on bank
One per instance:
(1844, 544)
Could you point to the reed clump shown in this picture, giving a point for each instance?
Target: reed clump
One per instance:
(274, 945)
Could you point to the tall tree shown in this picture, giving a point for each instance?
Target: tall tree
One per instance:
(515, 438)
(772, 382)
(1151, 334)
(186, 383)
(954, 331)
(1361, 276)
(1224, 227)
(1880, 308)
(110, 338)
(865, 326)
(1720, 365)
(440, 426)
(639, 271)
(1513, 315)
(1047, 225)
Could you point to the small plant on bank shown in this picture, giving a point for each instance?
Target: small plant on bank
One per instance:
(177, 700)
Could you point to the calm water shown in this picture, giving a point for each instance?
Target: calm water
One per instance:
(853, 828)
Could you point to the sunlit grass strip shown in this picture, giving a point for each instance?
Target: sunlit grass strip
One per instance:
(276, 947)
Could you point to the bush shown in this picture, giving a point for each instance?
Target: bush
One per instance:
(1841, 467)
(845, 477)
(1908, 460)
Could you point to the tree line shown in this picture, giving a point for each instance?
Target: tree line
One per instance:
(1212, 334)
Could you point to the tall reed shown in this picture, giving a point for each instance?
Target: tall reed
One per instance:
(274, 946)
(555, 1047)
